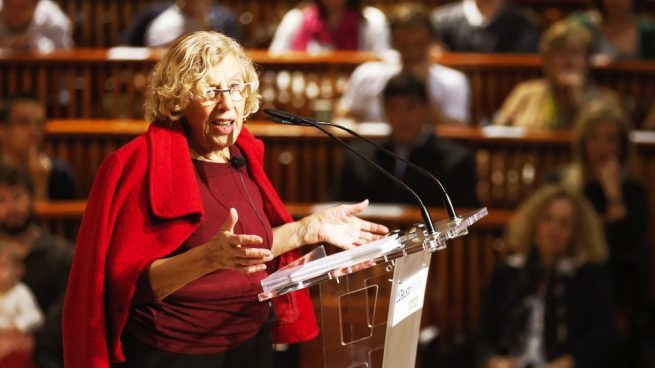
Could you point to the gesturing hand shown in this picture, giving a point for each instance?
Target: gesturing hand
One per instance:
(339, 226)
(230, 250)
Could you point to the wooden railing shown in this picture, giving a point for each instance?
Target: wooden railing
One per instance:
(457, 275)
(103, 83)
(99, 23)
(302, 163)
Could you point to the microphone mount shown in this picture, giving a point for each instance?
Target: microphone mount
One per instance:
(288, 118)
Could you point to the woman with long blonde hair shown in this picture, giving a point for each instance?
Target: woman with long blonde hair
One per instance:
(549, 304)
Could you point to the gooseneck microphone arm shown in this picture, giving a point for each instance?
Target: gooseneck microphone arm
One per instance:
(444, 195)
(288, 118)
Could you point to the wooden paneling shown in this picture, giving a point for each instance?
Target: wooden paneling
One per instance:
(302, 163)
(97, 83)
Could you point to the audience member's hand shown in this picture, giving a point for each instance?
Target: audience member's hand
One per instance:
(609, 176)
(231, 251)
(502, 362)
(339, 226)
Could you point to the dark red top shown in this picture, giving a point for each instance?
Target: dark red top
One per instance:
(220, 310)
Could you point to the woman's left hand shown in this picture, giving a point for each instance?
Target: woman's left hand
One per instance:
(339, 226)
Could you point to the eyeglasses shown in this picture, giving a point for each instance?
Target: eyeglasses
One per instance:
(237, 92)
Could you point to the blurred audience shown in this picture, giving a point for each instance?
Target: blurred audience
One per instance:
(161, 23)
(618, 30)
(552, 102)
(603, 170)
(20, 316)
(486, 26)
(46, 258)
(412, 137)
(324, 25)
(549, 304)
(448, 89)
(34, 25)
(22, 131)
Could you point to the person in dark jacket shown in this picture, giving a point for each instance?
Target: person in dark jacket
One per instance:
(549, 304)
(486, 26)
(412, 137)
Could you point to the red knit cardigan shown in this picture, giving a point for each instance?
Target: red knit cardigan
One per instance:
(143, 204)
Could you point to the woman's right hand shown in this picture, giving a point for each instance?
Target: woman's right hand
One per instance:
(230, 251)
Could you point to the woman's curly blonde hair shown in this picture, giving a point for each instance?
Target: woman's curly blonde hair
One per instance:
(180, 76)
(588, 243)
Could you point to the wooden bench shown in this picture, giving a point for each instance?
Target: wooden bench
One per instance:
(103, 83)
(302, 163)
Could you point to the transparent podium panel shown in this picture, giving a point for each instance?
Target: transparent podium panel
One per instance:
(362, 325)
(370, 296)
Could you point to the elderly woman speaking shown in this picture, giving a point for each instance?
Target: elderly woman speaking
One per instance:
(182, 224)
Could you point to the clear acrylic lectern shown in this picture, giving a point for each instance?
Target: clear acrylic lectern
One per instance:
(370, 296)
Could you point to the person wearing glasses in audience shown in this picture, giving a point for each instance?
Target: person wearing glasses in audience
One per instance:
(182, 224)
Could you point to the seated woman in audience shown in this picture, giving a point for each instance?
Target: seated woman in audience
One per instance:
(34, 25)
(332, 25)
(603, 171)
(619, 31)
(549, 303)
(553, 101)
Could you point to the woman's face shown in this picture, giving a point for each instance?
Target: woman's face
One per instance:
(568, 65)
(555, 228)
(215, 123)
(602, 144)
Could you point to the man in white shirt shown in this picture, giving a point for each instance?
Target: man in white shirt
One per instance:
(448, 89)
(34, 25)
(184, 17)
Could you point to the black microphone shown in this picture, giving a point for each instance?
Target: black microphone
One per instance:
(237, 161)
(285, 117)
(448, 204)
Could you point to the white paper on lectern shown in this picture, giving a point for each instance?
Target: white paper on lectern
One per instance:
(324, 265)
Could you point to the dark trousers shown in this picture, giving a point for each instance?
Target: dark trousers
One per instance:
(254, 353)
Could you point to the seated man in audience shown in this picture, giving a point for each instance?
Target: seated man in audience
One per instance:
(34, 25)
(46, 258)
(159, 24)
(553, 102)
(486, 26)
(20, 315)
(22, 130)
(411, 34)
(412, 137)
